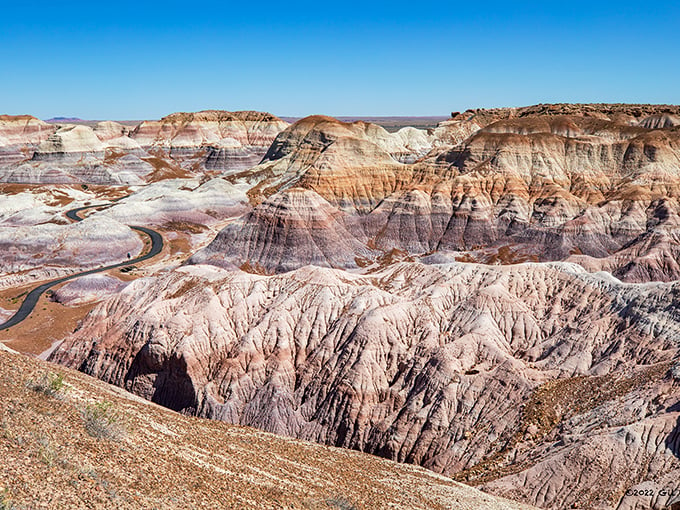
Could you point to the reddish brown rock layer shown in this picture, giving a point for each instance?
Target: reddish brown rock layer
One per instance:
(549, 187)
(179, 145)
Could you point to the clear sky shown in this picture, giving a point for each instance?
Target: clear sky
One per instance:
(142, 60)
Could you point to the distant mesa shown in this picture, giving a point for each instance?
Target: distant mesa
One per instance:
(65, 119)
(67, 149)
(391, 123)
(220, 116)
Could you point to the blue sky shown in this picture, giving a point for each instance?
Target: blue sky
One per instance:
(143, 60)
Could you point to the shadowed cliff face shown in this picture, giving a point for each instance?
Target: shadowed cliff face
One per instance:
(497, 376)
(599, 192)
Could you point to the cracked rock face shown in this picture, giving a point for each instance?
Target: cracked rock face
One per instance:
(540, 382)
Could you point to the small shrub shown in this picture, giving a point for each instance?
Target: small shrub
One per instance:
(47, 453)
(49, 384)
(6, 501)
(340, 503)
(6, 431)
(103, 422)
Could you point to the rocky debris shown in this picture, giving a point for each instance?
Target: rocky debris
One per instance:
(532, 380)
(164, 460)
(632, 113)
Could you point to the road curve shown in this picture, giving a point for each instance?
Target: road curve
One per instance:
(32, 298)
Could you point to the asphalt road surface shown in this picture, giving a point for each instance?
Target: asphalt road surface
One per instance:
(32, 298)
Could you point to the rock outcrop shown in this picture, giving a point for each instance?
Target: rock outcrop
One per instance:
(627, 113)
(70, 141)
(294, 228)
(537, 381)
(231, 140)
(24, 129)
(179, 145)
(313, 135)
(19, 135)
(357, 165)
(182, 130)
(546, 188)
(108, 130)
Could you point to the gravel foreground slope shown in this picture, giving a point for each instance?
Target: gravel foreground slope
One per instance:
(70, 441)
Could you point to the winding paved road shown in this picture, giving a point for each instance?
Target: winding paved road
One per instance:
(32, 298)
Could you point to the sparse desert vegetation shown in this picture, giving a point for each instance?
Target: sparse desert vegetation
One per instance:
(47, 383)
(103, 422)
